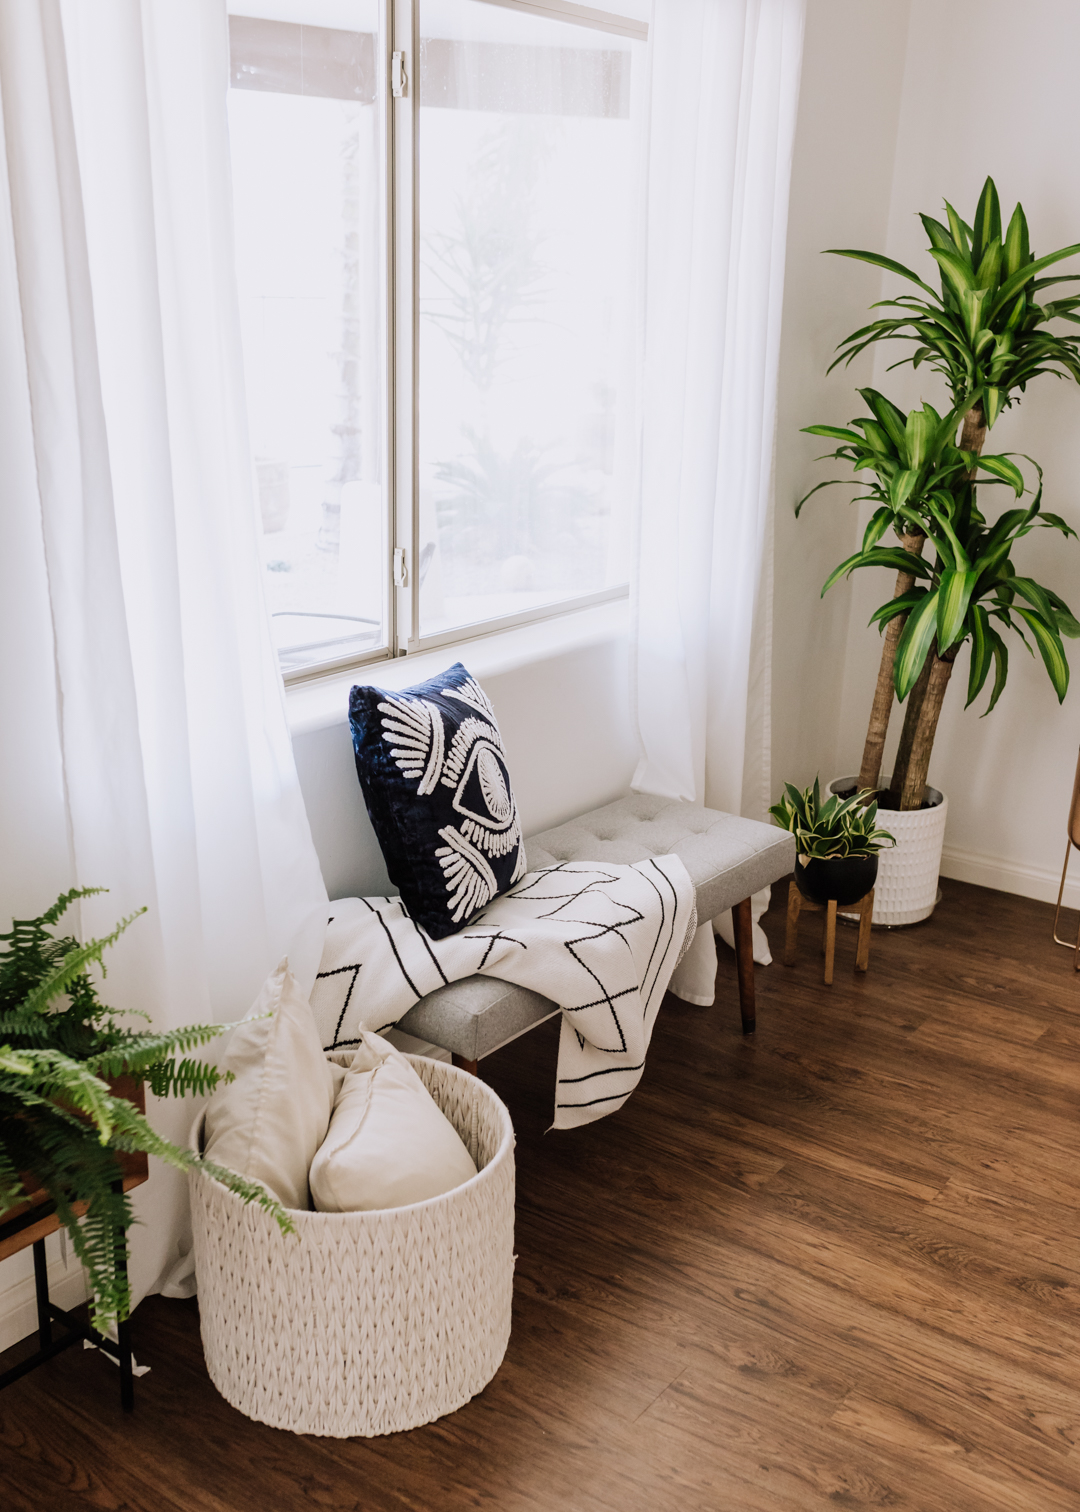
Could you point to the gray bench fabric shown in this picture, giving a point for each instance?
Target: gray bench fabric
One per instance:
(728, 858)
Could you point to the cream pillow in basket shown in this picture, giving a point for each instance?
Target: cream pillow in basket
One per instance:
(389, 1143)
(269, 1121)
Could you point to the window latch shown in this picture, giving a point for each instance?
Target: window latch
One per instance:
(401, 571)
(399, 83)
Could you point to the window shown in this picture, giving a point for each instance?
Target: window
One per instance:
(437, 254)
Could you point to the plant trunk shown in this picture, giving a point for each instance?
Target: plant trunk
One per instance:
(874, 749)
(920, 723)
(973, 434)
(923, 719)
(915, 700)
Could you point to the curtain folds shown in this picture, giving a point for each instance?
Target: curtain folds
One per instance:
(179, 787)
(724, 93)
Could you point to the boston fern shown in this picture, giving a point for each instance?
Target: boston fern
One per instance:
(61, 1127)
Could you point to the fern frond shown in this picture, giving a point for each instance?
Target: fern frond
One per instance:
(56, 1075)
(167, 1079)
(133, 1132)
(133, 1054)
(74, 964)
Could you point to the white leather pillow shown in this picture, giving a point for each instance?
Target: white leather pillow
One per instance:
(268, 1123)
(389, 1142)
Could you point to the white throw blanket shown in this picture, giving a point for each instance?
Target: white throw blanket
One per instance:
(600, 940)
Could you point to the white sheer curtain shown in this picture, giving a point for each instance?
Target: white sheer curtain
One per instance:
(725, 78)
(125, 466)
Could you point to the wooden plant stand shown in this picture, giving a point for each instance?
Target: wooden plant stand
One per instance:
(31, 1224)
(797, 903)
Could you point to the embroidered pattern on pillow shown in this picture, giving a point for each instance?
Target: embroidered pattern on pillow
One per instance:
(443, 800)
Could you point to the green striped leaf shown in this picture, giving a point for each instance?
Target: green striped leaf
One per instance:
(1017, 250)
(993, 403)
(989, 269)
(902, 604)
(887, 414)
(1055, 522)
(1012, 285)
(1050, 649)
(1036, 596)
(987, 221)
(880, 521)
(1008, 472)
(1001, 663)
(1064, 618)
(914, 644)
(879, 261)
(961, 231)
(972, 304)
(834, 433)
(954, 594)
(955, 272)
(879, 556)
(982, 654)
(940, 237)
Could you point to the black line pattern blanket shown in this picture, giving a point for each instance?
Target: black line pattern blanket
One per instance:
(600, 940)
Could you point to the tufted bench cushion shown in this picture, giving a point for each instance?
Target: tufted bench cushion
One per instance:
(727, 858)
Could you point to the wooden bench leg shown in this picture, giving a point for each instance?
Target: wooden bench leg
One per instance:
(794, 907)
(472, 1067)
(742, 920)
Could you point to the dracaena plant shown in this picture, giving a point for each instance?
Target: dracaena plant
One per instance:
(913, 461)
(969, 589)
(61, 1124)
(834, 830)
(985, 331)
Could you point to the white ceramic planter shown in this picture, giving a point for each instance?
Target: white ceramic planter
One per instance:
(907, 880)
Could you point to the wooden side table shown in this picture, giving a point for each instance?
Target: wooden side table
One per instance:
(31, 1224)
(797, 903)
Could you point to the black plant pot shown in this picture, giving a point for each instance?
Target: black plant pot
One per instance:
(846, 878)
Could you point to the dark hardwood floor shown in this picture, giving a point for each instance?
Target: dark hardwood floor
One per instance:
(836, 1265)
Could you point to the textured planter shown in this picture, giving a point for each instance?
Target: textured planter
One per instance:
(371, 1322)
(845, 879)
(907, 879)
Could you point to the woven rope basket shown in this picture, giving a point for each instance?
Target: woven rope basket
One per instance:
(364, 1323)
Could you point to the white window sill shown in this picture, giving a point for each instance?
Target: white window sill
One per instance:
(323, 702)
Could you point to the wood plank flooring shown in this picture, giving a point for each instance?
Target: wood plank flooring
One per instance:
(837, 1264)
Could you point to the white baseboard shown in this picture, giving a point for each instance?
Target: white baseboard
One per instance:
(18, 1304)
(1008, 876)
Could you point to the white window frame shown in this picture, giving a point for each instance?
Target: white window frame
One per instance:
(399, 32)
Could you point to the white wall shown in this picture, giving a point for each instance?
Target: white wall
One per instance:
(1008, 111)
(849, 108)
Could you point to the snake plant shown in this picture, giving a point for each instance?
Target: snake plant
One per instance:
(834, 830)
(60, 1123)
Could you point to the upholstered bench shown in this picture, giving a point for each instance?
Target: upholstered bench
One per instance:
(727, 858)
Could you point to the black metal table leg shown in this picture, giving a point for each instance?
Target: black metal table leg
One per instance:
(123, 1341)
(41, 1289)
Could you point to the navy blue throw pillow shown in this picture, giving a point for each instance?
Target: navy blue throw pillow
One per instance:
(431, 764)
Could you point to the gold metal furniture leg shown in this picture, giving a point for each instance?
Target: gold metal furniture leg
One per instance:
(1074, 946)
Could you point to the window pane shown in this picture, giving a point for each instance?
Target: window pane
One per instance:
(307, 158)
(528, 327)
